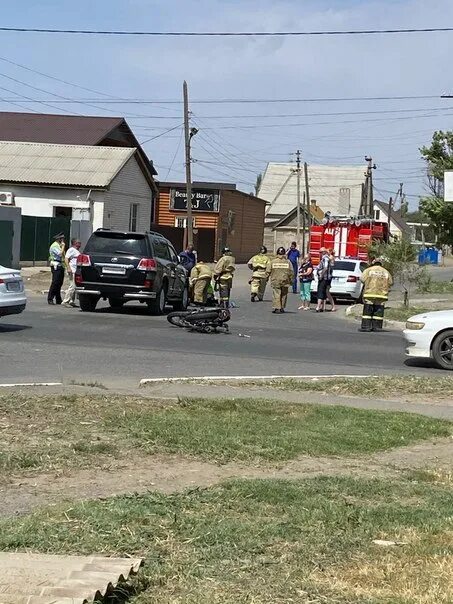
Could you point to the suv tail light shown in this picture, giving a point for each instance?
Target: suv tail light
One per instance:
(147, 264)
(352, 279)
(83, 260)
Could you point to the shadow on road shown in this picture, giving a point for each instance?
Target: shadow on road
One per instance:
(9, 327)
(422, 364)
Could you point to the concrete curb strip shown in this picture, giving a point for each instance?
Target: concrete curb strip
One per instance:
(29, 384)
(244, 378)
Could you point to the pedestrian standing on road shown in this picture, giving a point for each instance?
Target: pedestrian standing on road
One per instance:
(377, 283)
(293, 256)
(306, 278)
(200, 280)
(188, 258)
(56, 260)
(322, 271)
(223, 275)
(281, 275)
(71, 264)
(258, 264)
(330, 298)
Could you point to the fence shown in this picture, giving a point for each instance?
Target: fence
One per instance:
(37, 235)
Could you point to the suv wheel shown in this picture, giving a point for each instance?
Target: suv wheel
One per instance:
(116, 303)
(157, 306)
(87, 303)
(443, 350)
(184, 302)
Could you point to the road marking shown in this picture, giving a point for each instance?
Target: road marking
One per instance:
(31, 384)
(224, 378)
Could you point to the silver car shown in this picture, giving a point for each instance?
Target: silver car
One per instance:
(12, 294)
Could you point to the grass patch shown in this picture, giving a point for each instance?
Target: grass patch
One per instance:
(387, 387)
(402, 313)
(439, 287)
(49, 433)
(250, 430)
(262, 541)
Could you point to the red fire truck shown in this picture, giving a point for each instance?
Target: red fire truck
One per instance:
(348, 237)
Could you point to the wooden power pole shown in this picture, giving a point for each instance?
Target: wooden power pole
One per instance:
(307, 204)
(298, 199)
(189, 223)
(369, 190)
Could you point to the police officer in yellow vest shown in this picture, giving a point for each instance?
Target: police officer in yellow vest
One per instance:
(281, 274)
(200, 280)
(56, 261)
(377, 283)
(258, 264)
(223, 274)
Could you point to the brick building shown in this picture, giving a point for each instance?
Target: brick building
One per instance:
(222, 216)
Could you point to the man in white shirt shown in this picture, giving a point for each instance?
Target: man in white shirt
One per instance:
(71, 263)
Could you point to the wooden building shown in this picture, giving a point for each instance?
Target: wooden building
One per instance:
(222, 216)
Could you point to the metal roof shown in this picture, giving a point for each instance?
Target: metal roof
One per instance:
(70, 165)
(59, 129)
(279, 186)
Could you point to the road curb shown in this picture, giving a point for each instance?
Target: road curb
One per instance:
(244, 378)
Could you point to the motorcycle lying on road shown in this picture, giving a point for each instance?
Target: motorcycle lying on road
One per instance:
(203, 320)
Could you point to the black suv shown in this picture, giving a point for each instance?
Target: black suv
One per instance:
(120, 267)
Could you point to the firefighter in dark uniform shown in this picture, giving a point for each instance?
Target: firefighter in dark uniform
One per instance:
(377, 283)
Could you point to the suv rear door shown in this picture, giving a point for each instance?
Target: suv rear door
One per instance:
(163, 256)
(115, 257)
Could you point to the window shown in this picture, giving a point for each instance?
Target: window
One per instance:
(341, 265)
(181, 222)
(377, 214)
(113, 243)
(133, 217)
(62, 211)
(173, 254)
(161, 248)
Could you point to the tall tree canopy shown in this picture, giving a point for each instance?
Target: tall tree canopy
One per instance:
(439, 157)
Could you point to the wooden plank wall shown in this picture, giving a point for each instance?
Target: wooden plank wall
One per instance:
(248, 231)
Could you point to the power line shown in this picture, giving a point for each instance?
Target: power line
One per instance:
(352, 32)
(161, 134)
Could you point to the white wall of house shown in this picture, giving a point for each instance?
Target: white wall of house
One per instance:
(111, 207)
(128, 187)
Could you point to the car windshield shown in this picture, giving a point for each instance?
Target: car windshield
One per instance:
(342, 265)
(110, 243)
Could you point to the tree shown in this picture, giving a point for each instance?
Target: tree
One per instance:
(259, 180)
(439, 157)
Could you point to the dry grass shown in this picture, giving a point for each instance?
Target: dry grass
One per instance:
(385, 386)
(50, 433)
(262, 541)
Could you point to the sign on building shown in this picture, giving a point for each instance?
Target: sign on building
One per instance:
(203, 200)
(448, 185)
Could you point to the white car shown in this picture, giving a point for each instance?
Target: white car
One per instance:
(345, 279)
(430, 336)
(12, 294)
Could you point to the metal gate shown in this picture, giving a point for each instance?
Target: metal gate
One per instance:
(6, 243)
(37, 233)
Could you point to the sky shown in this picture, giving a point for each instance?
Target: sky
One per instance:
(237, 140)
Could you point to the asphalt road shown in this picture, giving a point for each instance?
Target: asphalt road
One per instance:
(118, 348)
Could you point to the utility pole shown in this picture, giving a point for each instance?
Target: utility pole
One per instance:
(400, 194)
(389, 217)
(369, 189)
(307, 204)
(189, 225)
(298, 203)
